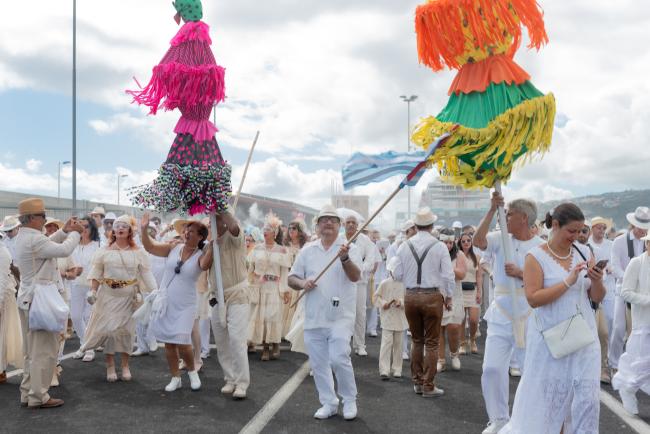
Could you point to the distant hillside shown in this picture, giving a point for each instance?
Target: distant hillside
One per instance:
(609, 205)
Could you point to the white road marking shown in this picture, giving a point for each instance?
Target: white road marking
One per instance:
(20, 371)
(273, 405)
(635, 422)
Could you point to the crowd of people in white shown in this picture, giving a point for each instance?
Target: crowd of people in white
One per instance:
(579, 315)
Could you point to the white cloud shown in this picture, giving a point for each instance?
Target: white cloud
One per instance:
(33, 165)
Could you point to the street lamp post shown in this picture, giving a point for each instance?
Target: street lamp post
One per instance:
(408, 101)
(118, 186)
(58, 195)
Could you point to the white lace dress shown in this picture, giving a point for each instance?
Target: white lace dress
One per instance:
(553, 392)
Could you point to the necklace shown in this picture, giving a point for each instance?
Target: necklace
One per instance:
(119, 248)
(562, 258)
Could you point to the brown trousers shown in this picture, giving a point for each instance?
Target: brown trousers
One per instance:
(41, 349)
(424, 315)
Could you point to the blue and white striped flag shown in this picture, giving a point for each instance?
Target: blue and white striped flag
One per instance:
(362, 169)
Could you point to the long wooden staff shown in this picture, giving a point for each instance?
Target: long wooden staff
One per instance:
(216, 261)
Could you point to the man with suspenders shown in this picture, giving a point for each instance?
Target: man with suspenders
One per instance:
(424, 267)
(624, 248)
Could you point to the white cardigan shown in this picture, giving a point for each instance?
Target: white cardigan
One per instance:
(636, 290)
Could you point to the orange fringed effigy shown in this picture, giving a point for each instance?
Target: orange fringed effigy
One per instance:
(476, 77)
(448, 29)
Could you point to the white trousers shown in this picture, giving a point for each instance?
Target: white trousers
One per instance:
(230, 340)
(405, 342)
(329, 352)
(204, 331)
(499, 349)
(79, 310)
(619, 332)
(359, 339)
(372, 319)
(391, 345)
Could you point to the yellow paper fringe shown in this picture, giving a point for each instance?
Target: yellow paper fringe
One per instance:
(527, 128)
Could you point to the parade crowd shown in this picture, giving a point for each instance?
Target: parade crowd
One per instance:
(568, 308)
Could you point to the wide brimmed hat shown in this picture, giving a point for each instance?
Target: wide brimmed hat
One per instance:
(179, 225)
(98, 210)
(424, 217)
(31, 206)
(602, 221)
(328, 211)
(9, 223)
(640, 217)
(52, 221)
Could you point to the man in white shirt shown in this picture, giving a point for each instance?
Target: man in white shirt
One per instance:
(423, 265)
(330, 309)
(368, 252)
(500, 344)
(624, 248)
(36, 258)
(602, 249)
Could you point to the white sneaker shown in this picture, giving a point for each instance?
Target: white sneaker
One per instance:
(455, 363)
(373, 334)
(630, 403)
(405, 355)
(239, 394)
(349, 410)
(495, 427)
(195, 381)
(89, 356)
(515, 372)
(78, 355)
(153, 346)
(325, 412)
(228, 388)
(174, 384)
(205, 355)
(139, 352)
(362, 352)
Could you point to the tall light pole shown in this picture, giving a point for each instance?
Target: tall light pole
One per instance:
(58, 195)
(118, 186)
(408, 101)
(74, 106)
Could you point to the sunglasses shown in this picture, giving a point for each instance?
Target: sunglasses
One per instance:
(41, 215)
(121, 226)
(177, 268)
(328, 219)
(293, 228)
(466, 241)
(584, 230)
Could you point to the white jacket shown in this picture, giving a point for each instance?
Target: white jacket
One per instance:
(636, 290)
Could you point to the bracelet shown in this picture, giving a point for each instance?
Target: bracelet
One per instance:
(566, 284)
(346, 259)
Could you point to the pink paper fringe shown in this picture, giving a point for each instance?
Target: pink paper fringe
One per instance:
(177, 83)
(200, 130)
(192, 31)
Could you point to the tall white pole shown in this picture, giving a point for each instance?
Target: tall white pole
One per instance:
(58, 189)
(74, 107)
(512, 288)
(216, 271)
(408, 148)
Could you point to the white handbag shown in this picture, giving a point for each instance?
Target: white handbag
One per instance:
(568, 336)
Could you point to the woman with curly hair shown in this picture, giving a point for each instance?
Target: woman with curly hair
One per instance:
(268, 271)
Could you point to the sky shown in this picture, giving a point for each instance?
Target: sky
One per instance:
(319, 80)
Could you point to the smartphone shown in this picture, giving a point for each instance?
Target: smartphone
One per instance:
(602, 264)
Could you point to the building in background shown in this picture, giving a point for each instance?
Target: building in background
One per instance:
(453, 203)
(358, 203)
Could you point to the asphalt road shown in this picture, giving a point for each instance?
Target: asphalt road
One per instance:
(94, 406)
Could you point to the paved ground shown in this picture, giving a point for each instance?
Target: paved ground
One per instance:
(142, 406)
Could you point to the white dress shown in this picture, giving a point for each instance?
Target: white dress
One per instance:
(174, 310)
(457, 312)
(553, 392)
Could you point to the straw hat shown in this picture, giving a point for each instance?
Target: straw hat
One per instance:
(98, 210)
(110, 216)
(31, 206)
(179, 225)
(9, 223)
(640, 217)
(602, 221)
(52, 221)
(424, 217)
(408, 224)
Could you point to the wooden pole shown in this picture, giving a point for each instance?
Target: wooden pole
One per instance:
(216, 271)
(354, 237)
(241, 183)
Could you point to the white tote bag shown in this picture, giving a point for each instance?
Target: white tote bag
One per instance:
(48, 311)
